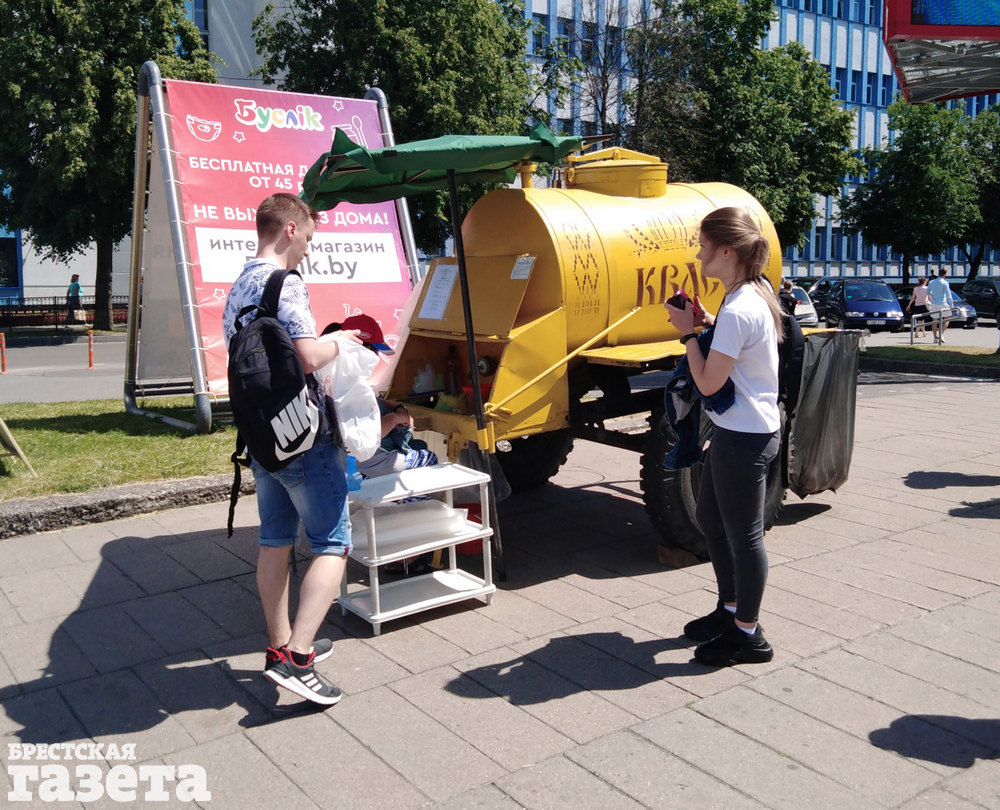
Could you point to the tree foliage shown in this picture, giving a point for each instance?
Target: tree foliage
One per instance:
(718, 107)
(68, 101)
(446, 66)
(919, 195)
(983, 143)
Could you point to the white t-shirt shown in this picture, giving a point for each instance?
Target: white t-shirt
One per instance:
(939, 294)
(294, 312)
(744, 330)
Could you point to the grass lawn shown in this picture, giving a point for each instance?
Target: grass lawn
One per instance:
(81, 446)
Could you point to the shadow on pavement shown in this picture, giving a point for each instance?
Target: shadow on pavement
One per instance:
(927, 479)
(596, 531)
(792, 514)
(977, 509)
(568, 665)
(945, 739)
(164, 628)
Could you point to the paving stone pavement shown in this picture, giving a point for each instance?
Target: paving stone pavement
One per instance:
(575, 687)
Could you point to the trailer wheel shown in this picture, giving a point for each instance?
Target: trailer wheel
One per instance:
(670, 496)
(531, 461)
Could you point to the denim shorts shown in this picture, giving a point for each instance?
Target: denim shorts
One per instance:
(313, 489)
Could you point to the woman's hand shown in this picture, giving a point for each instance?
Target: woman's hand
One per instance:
(682, 319)
(685, 320)
(702, 317)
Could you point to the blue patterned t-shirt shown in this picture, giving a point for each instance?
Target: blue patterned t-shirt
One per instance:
(294, 312)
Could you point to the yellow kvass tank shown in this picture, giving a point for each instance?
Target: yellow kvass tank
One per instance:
(567, 286)
(617, 237)
(567, 277)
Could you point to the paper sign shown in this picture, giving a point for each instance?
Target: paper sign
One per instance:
(522, 267)
(438, 292)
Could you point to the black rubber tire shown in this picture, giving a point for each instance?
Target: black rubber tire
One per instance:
(670, 496)
(531, 461)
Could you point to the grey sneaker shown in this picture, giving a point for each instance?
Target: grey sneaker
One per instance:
(304, 681)
(322, 648)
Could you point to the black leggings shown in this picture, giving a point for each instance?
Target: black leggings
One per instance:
(731, 514)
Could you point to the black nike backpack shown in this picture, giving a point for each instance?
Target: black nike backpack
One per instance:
(278, 409)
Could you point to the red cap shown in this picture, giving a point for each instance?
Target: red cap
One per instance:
(369, 331)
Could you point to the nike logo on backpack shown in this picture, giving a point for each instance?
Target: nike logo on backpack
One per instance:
(295, 427)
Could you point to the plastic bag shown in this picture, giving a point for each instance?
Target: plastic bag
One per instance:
(823, 432)
(345, 380)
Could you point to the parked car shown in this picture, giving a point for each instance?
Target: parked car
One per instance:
(863, 303)
(968, 317)
(963, 314)
(820, 292)
(983, 294)
(805, 312)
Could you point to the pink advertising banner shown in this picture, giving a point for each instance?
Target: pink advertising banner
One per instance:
(234, 146)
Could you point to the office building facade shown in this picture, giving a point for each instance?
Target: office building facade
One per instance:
(845, 36)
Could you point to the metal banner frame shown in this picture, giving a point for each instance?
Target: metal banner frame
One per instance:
(152, 109)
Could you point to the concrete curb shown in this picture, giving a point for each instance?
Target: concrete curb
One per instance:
(933, 369)
(21, 516)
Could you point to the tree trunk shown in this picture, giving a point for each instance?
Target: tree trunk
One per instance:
(102, 285)
(975, 260)
(906, 269)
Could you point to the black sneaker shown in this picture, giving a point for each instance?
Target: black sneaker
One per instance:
(708, 627)
(735, 647)
(302, 680)
(322, 648)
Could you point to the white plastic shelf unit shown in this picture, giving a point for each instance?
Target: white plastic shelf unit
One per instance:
(382, 602)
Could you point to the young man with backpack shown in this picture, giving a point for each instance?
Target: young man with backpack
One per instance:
(310, 486)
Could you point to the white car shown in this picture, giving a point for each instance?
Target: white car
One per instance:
(805, 312)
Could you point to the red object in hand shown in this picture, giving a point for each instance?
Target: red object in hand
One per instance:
(680, 298)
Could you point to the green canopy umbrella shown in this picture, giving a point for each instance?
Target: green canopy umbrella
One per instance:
(352, 173)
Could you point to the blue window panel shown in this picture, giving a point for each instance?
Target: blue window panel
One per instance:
(886, 98)
(821, 244)
(840, 82)
(540, 32)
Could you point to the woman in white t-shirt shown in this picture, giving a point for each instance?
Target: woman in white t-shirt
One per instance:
(746, 435)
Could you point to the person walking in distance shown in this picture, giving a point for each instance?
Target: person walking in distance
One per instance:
(939, 303)
(787, 298)
(73, 296)
(312, 488)
(746, 435)
(917, 307)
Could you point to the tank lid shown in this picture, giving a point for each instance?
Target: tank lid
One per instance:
(618, 173)
(612, 153)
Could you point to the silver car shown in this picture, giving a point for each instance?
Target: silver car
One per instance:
(805, 312)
